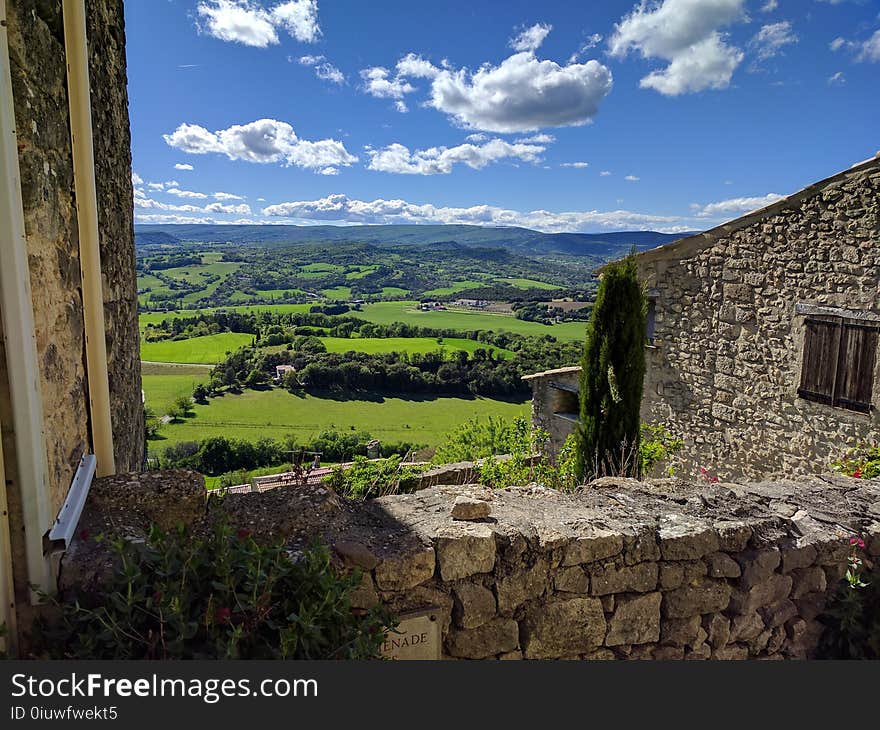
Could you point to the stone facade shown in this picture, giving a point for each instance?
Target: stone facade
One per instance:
(39, 81)
(730, 306)
(619, 570)
(555, 407)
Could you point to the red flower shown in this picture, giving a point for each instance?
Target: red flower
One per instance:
(243, 534)
(857, 474)
(857, 541)
(222, 615)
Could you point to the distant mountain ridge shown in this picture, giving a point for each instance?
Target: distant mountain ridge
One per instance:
(516, 240)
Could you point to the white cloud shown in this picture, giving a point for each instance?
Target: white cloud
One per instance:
(136, 179)
(686, 33)
(632, 178)
(605, 173)
(522, 94)
(241, 209)
(165, 218)
(401, 106)
(579, 165)
(866, 50)
(378, 82)
(156, 185)
(262, 141)
(591, 42)
(530, 39)
(769, 6)
(227, 196)
(185, 193)
(837, 79)
(399, 159)
(416, 67)
(299, 18)
(769, 41)
(249, 23)
(183, 166)
(734, 206)
(341, 208)
(534, 139)
(324, 70)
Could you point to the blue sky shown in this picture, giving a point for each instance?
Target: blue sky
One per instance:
(669, 115)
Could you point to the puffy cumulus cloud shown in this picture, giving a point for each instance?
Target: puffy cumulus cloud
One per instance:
(324, 70)
(183, 166)
(251, 24)
(379, 82)
(734, 206)
(416, 67)
(241, 209)
(185, 193)
(522, 94)
(226, 196)
(686, 34)
(770, 40)
(530, 39)
(440, 160)
(136, 179)
(341, 208)
(167, 218)
(865, 50)
(262, 141)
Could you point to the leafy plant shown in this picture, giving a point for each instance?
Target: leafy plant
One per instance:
(862, 462)
(478, 438)
(179, 595)
(657, 445)
(852, 617)
(612, 375)
(366, 479)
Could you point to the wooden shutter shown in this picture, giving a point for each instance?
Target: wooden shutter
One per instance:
(819, 368)
(855, 366)
(838, 363)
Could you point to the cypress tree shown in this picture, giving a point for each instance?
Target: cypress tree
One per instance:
(612, 375)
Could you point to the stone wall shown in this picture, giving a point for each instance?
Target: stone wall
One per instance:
(554, 407)
(39, 81)
(729, 334)
(619, 570)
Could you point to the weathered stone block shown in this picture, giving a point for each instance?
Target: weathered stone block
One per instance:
(732, 652)
(406, 570)
(364, 595)
(463, 554)
(598, 546)
(474, 605)
(639, 578)
(746, 627)
(721, 565)
(572, 580)
(513, 590)
(680, 631)
(772, 590)
(757, 566)
(495, 637)
(356, 554)
(794, 557)
(702, 596)
(671, 575)
(683, 539)
(563, 627)
(668, 653)
(778, 613)
(717, 627)
(636, 620)
(468, 508)
(733, 536)
(641, 547)
(811, 605)
(808, 580)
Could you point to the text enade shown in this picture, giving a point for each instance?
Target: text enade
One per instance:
(417, 636)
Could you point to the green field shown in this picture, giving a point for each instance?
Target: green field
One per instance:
(454, 288)
(406, 311)
(337, 292)
(209, 349)
(167, 382)
(405, 344)
(530, 284)
(276, 412)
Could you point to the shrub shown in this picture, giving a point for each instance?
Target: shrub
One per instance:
(612, 375)
(656, 446)
(862, 462)
(369, 479)
(478, 438)
(224, 596)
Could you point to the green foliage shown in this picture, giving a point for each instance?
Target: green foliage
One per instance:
(657, 445)
(477, 438)
(224, 596)
(852, 616)
(151, 423)
(862, 462)
(366, 479)
(612, 376)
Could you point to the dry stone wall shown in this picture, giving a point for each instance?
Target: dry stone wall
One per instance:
(729, 329)
(619, 570)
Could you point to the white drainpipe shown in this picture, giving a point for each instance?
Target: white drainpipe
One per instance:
(78, 91)
(22, 365)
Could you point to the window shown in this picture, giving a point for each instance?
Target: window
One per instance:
(838, 362)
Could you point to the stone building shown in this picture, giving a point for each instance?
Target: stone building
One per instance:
(67, 246)
(763, 334)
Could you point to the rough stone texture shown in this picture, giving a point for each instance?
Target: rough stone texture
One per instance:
(503, 588)
(467, 508)
(726, 367)
(39, 84)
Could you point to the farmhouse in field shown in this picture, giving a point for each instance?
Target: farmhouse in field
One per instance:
(762, 335)
(282, 370)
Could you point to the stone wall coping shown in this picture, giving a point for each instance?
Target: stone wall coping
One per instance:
(556, 371)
